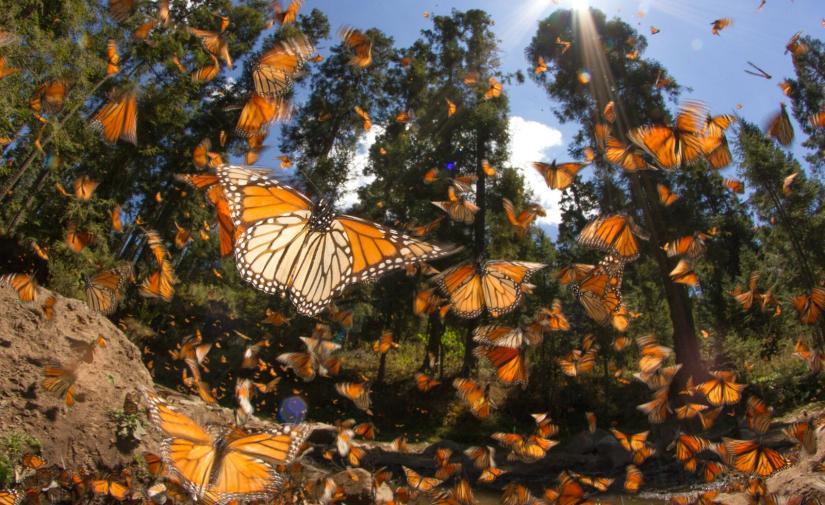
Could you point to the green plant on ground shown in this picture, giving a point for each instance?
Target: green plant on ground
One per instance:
(12, 447)
(128, 426)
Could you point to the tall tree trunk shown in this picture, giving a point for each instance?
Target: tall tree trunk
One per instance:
(435, 330)
(685, 343)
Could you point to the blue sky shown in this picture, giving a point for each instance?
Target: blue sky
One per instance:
(712, 66)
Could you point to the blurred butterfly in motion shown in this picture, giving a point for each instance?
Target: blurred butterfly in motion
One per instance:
(360, 45)
(293, 245)
(228, 463)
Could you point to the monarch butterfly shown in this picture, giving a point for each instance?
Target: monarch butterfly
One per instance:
(692, 246)
(450, 107)
(104, 290)
(277, 67)
(120, 9)
(425, 383)
(287, 16)
(652, 353)
(367, 123)
(304, 249)
(142, 31)
(360, 45)
(660, 378)
(598, 483)
(213, 43)
(226, 228)
(683, 273)
(85, 350)
(563, 44)
(6, 71)
(734, 185)
(787, 182)
(614, 234)
(541, 66)
(226, 464)
(476, 398)
(490, 474)
(673, 146)
(112, 58)
(749, 456)
(159, 284)
(657, 409)
(258, 112)
(494, 89)
(445, 469)
(626, 156)
(499, 336)
(591, 421)
(689, 410)
(48, 308)
(717, 152)
(779, 127)
(574, 273)
(358, 392)
(599, 292)
(384, 343)
(419, 483)
(544, 425)
(494, 285)
(718, 25)
(708, 417)
(420, 231)
(117, 119)
(49, 96)
(527, 449)
(106, 487)
(633, 479)
(722, 389)
(715, 126)
(666, 196)
(553, 319)
(459, 209)
(632, 443)
(812, 358)
(61, 381)
(206, 73)
(810, 305)
(745, 298)
(24, 284)
(654, 30)
(482, 457)
(804, 434)
(577, 362)
(510, 363)
(558, 176)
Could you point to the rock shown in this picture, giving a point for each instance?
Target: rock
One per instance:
(77, 436)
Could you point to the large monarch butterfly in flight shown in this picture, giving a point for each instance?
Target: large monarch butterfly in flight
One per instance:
(495, 285)
(273, 74)
(118, 118)
(613, 234)
(673, 145)
(304, 249)
(226, 464)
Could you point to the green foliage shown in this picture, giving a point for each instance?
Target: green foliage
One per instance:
(128, 425)
(13, 446)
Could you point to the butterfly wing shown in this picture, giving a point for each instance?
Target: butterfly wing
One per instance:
(463, 285)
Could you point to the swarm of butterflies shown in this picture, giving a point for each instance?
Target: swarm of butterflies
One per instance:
(285, 242)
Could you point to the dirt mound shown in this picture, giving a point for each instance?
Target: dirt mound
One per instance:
(82, 435)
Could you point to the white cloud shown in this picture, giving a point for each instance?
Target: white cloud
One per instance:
(529, 142)
(357, 179)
